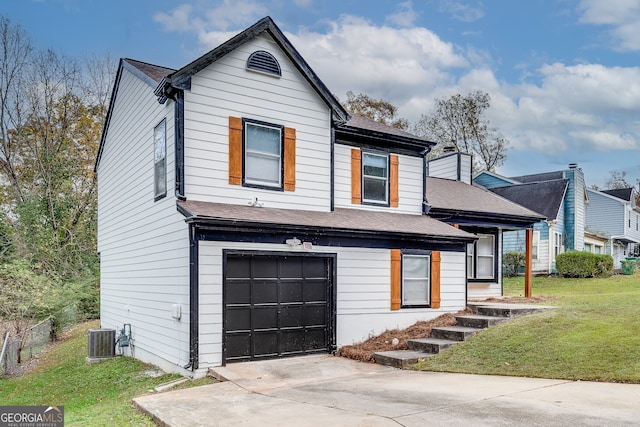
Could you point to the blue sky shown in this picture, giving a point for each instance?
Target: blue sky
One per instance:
(563, 75)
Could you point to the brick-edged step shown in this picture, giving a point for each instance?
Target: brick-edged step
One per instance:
(399, 358)
(479, 321)
(430, 345)
(454, 333)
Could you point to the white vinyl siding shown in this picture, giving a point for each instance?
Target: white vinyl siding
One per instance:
(363, 293)
(143, 244)
(410, 175)
(447, 167)
(226, 88)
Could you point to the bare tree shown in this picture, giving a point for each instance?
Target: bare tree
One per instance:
(16, 52)
(378, 110)
(458, 121)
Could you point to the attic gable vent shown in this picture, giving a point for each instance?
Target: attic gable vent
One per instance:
(264, 62)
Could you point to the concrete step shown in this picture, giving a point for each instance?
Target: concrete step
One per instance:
(454, 333)
(400, 358)
(505, 311)
(479, 321)
(430, 345)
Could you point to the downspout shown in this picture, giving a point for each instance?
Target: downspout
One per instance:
(332, 185)
(194, 311)
(425, 173)
(178, 130)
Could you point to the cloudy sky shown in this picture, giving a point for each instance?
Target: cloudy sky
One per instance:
(563, 75)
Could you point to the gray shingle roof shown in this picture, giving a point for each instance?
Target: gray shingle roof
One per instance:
(155, 72)
(455, 195)
(543, 197)
(620, 193)
(366, 123)
(339, 219)
(538, 177)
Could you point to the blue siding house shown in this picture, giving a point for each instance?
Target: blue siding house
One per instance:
(615, 215)
(559, 196)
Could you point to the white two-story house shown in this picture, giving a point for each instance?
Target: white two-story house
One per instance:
(244, 215)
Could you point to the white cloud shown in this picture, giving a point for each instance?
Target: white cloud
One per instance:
(303, 3)
(622, 16)
(462, 12)
(573, 107)
(405, 17)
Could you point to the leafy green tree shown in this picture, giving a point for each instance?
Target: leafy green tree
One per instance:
(459, 122)
(378, 110)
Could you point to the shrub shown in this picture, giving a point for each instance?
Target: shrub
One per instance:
(512, 262)
(584, 264)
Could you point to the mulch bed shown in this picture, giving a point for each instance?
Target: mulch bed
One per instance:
(384, 342)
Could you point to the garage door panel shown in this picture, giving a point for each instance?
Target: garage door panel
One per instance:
(291, 316)
(264, 268)
(238, 268)
(315, 268)
(290, 291)
(238, 292)
(265, 344)
(238, 319)
(291, 268)
(282, 308)
(265, 317)
(239, 345)
(315, 315)
(315, 290)
(264, 292)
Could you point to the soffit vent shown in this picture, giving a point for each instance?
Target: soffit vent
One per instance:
(264, 62)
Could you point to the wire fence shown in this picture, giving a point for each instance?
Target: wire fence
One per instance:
(35, 340)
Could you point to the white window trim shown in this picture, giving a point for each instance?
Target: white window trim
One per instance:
(406, 303)
(378, 178)
(157, 191)
(471, 269)
(259, 154)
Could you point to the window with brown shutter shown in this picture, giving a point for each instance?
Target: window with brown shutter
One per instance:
(261, 154)
(415, 279)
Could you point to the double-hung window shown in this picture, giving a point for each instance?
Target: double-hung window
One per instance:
(416, 280)
(160, 160)
(375, 178)
(481, 258)
(263, 154)
(557, 244)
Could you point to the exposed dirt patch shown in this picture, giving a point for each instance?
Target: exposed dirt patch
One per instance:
(385, 341)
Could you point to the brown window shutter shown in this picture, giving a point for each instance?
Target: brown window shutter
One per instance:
(435, 279)
(396, 279)
(393, 180)
(235, 150)
(356, 180)
(289, 159)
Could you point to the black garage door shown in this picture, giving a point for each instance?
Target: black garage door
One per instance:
(277, 305)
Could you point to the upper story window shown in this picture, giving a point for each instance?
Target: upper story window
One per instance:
(481, 258)
(264, 62)
(263, 154)
(375, 178)
(160, 160)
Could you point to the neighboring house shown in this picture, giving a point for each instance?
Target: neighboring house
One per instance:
(594, 242)
(615, 215)
(242, 214)
(560, 197)
(453, 198)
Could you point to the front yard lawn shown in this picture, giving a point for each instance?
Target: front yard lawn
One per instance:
(594, 335)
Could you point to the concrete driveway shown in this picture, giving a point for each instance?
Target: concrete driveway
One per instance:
(326, 390)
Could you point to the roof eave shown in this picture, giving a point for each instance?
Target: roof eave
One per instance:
(354, 134)
(484, 218)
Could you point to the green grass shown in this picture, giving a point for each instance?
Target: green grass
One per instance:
(93, 395)
(594, 334)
